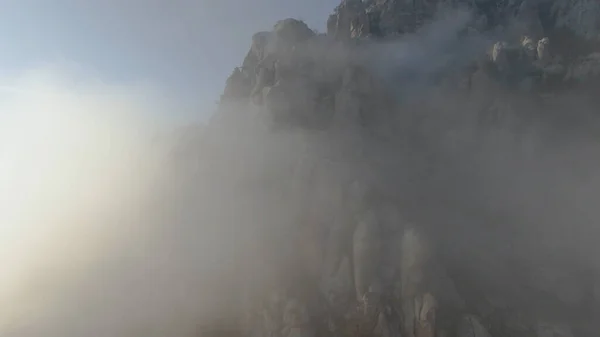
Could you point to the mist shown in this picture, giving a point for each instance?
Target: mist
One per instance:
(80, 175)
(114, 222)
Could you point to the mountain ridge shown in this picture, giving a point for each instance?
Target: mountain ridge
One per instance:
(433, 159)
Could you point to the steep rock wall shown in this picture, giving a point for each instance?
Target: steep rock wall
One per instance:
(438, 161)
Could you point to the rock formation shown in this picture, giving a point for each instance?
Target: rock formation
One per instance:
(448, 122)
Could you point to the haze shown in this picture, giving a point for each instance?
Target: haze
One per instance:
(86, 89)
(123, 214)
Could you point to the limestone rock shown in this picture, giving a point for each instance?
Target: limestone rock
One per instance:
(582, 17)
(366, 253)
(272, 315)
(238, 85)
(560, 282)
(350, 20)
(425, 308)
(418, 306)
(585, 69)
(292, 31)
(296, 320)
(500, 55)
(470, 326)
(262, 45)
(264, 78)
(553, 330)
(543, 51)
(379, 274)
(415, 255)
(527, 20)
(529, 48)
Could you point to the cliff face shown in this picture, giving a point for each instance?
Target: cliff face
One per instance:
(438, 164)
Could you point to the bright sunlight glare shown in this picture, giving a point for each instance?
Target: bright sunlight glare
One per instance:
(66, 156)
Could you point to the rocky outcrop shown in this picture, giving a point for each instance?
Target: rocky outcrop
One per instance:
(585, 69)
(471, 327)
(581, 17)
(350, 20)
(444, 125)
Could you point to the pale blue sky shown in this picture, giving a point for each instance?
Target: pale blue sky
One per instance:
(186, 47)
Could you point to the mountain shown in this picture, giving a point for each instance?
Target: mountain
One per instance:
(424, 168)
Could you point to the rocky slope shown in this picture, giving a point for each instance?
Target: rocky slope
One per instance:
(433, 165)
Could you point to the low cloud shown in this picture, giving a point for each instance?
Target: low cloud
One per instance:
(79, 173)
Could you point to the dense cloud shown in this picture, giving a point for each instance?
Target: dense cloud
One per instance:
(398, 184)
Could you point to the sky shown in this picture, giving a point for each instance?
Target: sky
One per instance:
(84, 84)
(184, 49)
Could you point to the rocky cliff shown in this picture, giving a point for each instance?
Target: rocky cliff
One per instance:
(433, 165)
